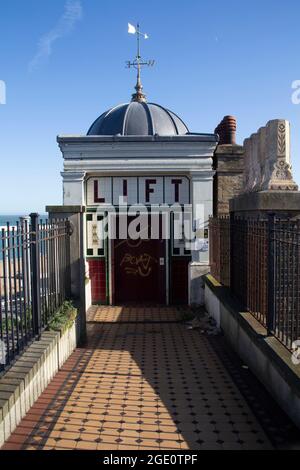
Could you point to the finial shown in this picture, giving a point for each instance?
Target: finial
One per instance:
(138, 63)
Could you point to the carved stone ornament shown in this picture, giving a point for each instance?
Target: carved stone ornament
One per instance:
(267, 159)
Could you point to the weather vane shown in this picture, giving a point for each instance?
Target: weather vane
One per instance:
(138, 63)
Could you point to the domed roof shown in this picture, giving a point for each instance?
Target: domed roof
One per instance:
(140, 119)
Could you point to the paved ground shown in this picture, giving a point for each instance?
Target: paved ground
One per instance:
(134, 314)
(143, 385)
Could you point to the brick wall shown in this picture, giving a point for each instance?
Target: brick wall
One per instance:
(228, 180)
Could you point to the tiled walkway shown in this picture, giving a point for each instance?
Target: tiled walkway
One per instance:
(141, 386)
(133, 314)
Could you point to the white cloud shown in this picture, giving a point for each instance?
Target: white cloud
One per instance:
(72, 14)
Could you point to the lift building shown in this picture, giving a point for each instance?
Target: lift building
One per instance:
(143, 155)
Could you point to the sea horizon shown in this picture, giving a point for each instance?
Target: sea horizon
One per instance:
(12, 219)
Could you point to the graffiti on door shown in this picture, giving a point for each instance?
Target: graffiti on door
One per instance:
(141, 265)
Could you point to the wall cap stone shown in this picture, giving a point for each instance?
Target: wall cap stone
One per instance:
(278, 201)
(65, 209)
(229, 149)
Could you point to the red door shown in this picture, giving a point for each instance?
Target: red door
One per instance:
(139, 271)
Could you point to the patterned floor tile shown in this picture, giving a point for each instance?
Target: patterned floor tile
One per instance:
(143, 382)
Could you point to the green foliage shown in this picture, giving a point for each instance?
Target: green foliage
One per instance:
(63, 318)
(18, 322)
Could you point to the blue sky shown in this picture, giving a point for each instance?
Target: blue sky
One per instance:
(212, 59)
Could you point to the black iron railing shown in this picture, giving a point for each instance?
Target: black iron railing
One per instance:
(263, 269)
(284, 274)
(34, 281)
(219, 241)
(249, 265)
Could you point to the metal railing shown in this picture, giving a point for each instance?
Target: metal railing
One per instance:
(284, 275)
(219, 240)
(264, 267)
(34, 281)
(249, 265)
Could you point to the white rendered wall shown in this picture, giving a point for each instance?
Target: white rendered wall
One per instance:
(86, 157)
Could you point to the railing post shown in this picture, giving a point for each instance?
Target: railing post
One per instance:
(271, 313)
(231, 251)
(211, 230)
(35, 275)
(24, 223)
(68, 229)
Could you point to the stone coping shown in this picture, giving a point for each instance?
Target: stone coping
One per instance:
(267, 201)
(271, 347)
(65, 209)
(230, 149)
